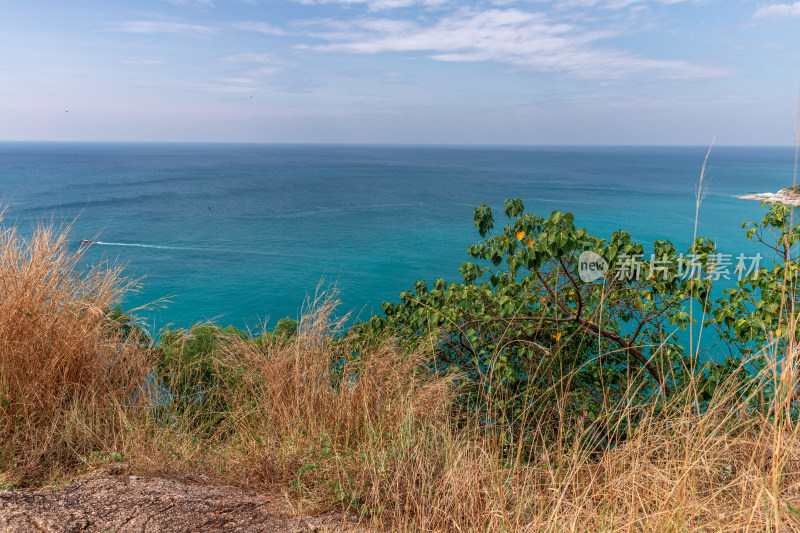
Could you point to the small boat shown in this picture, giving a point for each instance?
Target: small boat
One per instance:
(84, 241)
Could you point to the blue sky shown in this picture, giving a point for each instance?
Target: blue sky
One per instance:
(401, 71)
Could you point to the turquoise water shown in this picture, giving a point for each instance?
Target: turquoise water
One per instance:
(244, 233)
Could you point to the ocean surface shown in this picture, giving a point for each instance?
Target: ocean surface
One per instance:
(243, 233)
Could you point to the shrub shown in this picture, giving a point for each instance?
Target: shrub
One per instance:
(189, 372)
(536, 342)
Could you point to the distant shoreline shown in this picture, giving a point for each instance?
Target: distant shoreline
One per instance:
(786, 197)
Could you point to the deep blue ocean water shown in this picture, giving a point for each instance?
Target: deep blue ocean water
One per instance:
(240, 233)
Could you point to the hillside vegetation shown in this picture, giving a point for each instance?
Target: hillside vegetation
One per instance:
(523, 398)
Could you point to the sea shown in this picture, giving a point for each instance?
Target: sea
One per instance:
(245, 234)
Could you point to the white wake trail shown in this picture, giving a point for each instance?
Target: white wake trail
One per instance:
(137, 245)
(212, 250)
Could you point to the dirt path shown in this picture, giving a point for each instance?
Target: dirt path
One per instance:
(108, 503)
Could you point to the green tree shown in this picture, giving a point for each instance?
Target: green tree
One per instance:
(758, 316)
(527, 333)
(762, 308)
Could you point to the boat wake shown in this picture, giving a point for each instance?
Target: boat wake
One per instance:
(155, 246)
(210, 250)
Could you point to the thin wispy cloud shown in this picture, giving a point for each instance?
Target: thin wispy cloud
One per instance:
(613, 4)
(238, 81)
(378, 5)
(258, 64)
(779, 10)
(152, 26)
(511, 36)
(144, 62)
(227, 88)
(260, 58)
(259, 27)
(192, 3)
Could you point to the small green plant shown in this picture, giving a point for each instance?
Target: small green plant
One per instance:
(188, 369)
(791, 510)
(286, 328)
(105, 457)
(298, 482)
(125, 326)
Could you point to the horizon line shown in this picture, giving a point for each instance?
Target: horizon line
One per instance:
(403, 144)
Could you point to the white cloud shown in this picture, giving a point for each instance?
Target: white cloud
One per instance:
(779, 10)
(143, 62)
(259, 27)
(377, 5)
(252, 57)
(150, 26)
(511, 36)
(227, 89)
(192, 3)
(612, 4)
(233, 86)
(259, 64)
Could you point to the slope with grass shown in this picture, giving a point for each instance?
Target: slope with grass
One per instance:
(575, 434)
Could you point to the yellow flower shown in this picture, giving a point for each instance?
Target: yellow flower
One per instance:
(531, 241)
(648, 296)
(520, 235)
(652, 277)
(778, 332)
(557, 336)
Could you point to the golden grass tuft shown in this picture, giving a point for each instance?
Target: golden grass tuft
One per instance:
(65, 371)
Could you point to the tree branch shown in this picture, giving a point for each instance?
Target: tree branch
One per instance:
(610, 335)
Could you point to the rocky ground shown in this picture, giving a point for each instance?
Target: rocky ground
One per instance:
(114, 501)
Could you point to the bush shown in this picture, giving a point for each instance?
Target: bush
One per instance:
(190, 375)
(534, 342)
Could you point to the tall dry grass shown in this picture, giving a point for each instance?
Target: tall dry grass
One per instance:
(383, 447)
(67, 377)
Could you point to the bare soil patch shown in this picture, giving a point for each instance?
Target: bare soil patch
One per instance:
(113, 501)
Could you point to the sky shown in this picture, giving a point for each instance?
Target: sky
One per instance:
(528, 72)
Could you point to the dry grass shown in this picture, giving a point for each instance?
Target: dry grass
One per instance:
(65, 372)
(381, 444)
